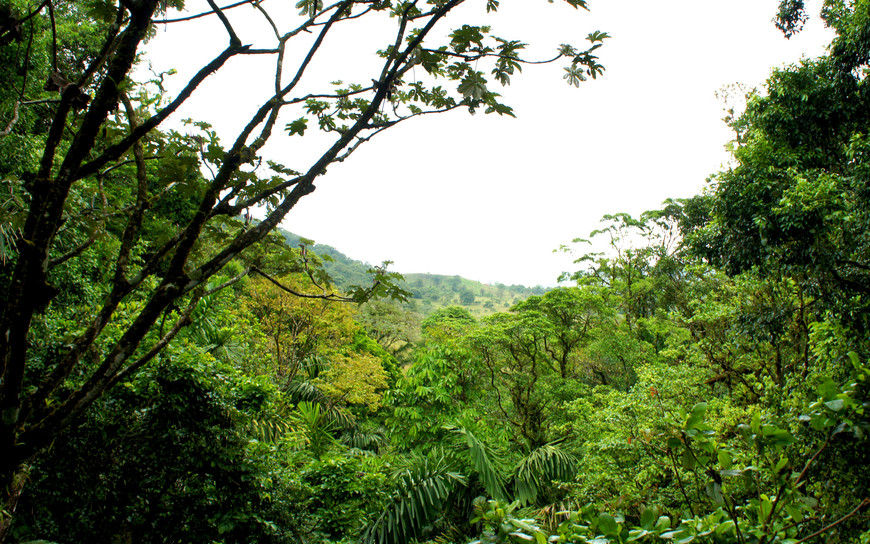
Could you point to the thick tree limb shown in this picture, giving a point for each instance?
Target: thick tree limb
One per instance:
(115, 151)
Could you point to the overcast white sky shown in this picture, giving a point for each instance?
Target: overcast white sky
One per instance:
(489, 198)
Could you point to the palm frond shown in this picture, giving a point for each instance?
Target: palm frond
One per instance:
(315, 426)
(305, 391)
(365, 439)
(218, 342)
(450, 535)
(541, 466)
(208, 334)
(8, 237)
(313, 365)
(339, 418)
(269, 430)
(482, 460)
(420, 491)
(11, 208)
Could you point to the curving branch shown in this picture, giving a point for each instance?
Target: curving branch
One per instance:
(478, 56)
(206, 13)
(109, 46)
(76, 251)
(12, 122)
(115, 151)
(861, 505)
(325, 296)
(234, 39)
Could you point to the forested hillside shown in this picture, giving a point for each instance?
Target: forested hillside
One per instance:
(428, 292)
(173, 371)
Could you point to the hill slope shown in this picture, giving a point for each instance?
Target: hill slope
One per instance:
(430, 291)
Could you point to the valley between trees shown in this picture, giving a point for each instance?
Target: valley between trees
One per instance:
(176, 371)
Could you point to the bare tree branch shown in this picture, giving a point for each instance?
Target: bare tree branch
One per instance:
(207, 13)
(827, 528)
(12, 122)
(115, 151)
(234, 39)
(324, 296)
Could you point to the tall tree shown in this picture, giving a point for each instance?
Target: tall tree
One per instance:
(794, 204)
(573, 314)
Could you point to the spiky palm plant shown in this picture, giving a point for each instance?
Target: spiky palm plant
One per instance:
(483, 460)
(421, 490)
(533, 472)
(540, 467)
(422, 493)
(365, 437)
(315, 427)
(299, 391)
(10, 207)
(269, 430)
(205, 332)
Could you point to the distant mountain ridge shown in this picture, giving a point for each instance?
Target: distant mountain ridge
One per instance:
(430, 291)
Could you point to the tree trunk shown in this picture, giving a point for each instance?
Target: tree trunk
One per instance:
(12, 488)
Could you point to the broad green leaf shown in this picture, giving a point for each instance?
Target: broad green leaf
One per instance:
(724, 459)
(697, 415)
(688, 460)
(662, 523)
(648, 518)
(795, 513)
(714, 491)
(473, 86)
(297, 127)
(835, 405)
(607, 524)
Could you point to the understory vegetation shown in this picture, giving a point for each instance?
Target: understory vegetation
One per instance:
(705, 379)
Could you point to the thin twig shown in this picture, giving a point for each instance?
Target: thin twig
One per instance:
(44, 101)
(182, 322)
(118, 149)
(125, 163)
(34, 12)
(857, 509)
(813, 458)
(231, 281)
(53, 37)
(471, 58)
(330, 296)
(75, 252)
(109, 46)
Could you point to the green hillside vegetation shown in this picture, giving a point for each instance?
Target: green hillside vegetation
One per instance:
(343, 270)
(173, 372)
(429, 292)
(435, 291)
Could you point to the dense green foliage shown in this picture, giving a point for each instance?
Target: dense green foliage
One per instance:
(705, 379)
